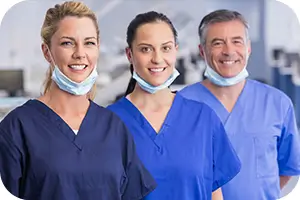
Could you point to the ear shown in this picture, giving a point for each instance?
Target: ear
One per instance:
(201, 50)
(46, 53)
(249, 47)
(98, 43)
(129, 54)
(176, 47)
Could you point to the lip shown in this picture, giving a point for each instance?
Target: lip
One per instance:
(78, 64)
(156, 67)
(78, 71)
(224, 61)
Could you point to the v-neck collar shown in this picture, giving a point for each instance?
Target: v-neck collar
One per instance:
(220, 108)
(139, 117)
(61, 124)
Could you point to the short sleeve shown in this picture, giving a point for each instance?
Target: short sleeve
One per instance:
(139, 181)
(10, 163)
(226, 164)
(289, 146)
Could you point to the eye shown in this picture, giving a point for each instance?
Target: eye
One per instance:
(237, 42)
(91, 43)
(66, 43)
(145, 49)
(216, 44)
(167, 48)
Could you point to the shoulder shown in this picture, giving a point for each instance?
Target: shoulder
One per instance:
(107, 114)
(13, 124)
(267, 89)
(190, 88)
(20, 113)
(198, 108)
(116, 105)
(278, 97)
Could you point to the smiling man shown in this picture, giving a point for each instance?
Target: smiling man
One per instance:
(258, 118)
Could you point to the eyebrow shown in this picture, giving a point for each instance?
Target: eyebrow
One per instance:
(73, 39)
(222, 40)
(238, 38)
(145, 44)
(216, 40)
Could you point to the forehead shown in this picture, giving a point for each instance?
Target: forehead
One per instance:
(225, 30)
(76, 27)
(154, 33)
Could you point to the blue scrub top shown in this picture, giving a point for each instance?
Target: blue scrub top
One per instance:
(263, 131)
(191, 155)
(42, 159)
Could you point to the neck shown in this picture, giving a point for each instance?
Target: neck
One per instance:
(63, 102)
(228, 93)
(142, 98)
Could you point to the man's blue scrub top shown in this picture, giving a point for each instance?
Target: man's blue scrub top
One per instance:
(263, 131)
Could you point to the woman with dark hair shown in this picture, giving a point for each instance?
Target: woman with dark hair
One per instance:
(181, 142)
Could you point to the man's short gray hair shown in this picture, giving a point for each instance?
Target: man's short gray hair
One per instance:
(218, 16)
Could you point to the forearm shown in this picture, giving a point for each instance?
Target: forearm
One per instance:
(284, 180)
(217, 195)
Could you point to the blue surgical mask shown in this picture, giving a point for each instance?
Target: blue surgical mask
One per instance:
(217, 79)
(66, 84)
(153, 89)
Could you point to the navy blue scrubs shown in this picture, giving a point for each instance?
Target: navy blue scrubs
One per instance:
(42, 158)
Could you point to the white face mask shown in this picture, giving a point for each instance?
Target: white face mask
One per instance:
(66, 84)
(153, 89)
(219, 80)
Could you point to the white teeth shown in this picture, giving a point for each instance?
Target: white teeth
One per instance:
(156, 69)
(228, 62)
(77, 67)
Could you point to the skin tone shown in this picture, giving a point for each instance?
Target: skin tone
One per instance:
(73, 44)
(154, 48)
(226, 51)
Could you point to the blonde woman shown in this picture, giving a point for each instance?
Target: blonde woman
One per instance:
(63, 146)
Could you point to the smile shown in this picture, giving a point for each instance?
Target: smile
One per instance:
(157, 69)
(229, 62)
(77, 67)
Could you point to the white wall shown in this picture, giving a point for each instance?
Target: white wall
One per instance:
(283, 28)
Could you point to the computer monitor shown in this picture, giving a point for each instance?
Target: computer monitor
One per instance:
(12, 81)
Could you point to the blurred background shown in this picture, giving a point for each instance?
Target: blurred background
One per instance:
(274, 32)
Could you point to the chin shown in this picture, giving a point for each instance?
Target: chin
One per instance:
(229, 74)
(155, 83)
(77, 79)
(158, 82)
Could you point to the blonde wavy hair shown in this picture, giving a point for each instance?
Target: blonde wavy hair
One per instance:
(53, 17)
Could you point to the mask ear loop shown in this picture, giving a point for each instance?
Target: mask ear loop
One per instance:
(53, 63)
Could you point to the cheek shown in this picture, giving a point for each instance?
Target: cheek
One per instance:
(170, 59)
(62, 56)
(141, 61)
(93, 56)
(244, 54)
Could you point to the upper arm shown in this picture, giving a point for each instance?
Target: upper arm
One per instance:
(289, 146)
(226, 163)
(139, 181)
(10, 163)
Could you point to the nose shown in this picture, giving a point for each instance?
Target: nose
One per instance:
(157, 57)
(228, 50)
(79, 52)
